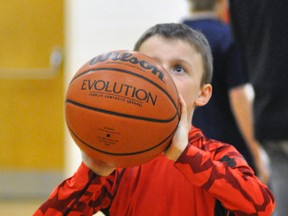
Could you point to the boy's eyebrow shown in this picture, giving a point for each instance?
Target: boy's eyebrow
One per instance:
(174, 60)
(185, 62)
(156, 59)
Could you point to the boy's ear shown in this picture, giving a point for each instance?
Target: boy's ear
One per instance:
(204, 95)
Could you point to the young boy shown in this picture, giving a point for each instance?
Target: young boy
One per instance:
(195, 176)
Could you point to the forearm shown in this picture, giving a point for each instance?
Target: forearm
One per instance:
(241, 106)
(242, 109)
(228, 178)
(74, 195)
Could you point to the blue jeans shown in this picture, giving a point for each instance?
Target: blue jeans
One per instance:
(278, 154)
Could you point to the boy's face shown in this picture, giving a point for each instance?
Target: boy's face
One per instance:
(185, 66)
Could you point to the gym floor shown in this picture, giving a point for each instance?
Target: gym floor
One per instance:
(19, 207)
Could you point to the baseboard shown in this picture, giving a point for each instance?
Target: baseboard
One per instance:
(28, 184)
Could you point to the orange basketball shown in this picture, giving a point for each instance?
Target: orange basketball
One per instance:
(122, 107)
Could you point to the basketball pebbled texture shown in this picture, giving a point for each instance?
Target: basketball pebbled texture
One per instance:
(122, 108)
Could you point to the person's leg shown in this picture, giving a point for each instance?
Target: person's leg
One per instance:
(278, 153)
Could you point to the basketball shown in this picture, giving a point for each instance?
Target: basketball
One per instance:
(122, 107)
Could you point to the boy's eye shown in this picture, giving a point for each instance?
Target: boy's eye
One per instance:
(178, 69)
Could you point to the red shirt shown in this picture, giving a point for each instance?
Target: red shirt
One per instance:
(210, 177)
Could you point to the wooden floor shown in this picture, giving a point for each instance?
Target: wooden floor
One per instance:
(18, 207)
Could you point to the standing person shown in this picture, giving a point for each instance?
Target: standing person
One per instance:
(228, 115)
(194, 176)
(261, 28)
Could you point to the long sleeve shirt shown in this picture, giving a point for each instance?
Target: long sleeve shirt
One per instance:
(209, 178)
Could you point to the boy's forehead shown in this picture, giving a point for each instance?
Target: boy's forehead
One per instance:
(172, 51)
(158, 41)
(170, 47)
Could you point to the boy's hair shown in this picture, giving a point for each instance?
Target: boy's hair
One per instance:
(175, 31)
(202, 5)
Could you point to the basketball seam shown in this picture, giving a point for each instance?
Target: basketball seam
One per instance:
(134, 74)
(121, 114)
(122, 154)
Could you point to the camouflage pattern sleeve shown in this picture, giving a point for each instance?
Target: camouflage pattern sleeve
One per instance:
(222, 171)
(83, 194)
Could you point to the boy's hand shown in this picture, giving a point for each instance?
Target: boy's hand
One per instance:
(180, 139)
(99, 167)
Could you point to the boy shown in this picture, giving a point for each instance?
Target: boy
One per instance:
(204, 177)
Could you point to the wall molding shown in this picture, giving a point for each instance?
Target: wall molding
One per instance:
(28, 184)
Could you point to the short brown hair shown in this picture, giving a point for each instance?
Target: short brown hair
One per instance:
(183, 32)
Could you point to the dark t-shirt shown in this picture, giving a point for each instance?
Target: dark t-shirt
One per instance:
(261, 29)
(216, 119)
